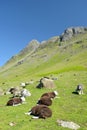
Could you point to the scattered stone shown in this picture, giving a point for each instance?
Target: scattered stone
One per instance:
(46, 82)
(1, 92)
(12, 123)
(68, 124)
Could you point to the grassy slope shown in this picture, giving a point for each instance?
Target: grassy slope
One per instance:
(69, 64)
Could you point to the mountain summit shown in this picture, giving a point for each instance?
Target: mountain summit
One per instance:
(72, 31)
(31, 47)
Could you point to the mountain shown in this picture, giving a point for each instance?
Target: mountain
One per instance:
(40, 59)
(34, 44)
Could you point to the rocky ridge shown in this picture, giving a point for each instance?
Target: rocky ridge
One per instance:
(72, 31)
(33, 45)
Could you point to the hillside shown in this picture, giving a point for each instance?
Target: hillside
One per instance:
(64, 57)
(49, 55)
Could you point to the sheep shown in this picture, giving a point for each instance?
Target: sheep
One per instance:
(25, 93)
(50, 94)
(79, 89)
(45, 101)
(16, 91)
(15, 101)
(19, 92)
(40, 111)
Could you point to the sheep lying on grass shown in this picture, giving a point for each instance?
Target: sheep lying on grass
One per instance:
(45, 101)
(40, 111)
(50, 94)
(15, 101)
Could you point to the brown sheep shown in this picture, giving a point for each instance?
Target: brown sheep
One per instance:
(45, 101)
(50, 94)
(15, 101)
(40, 111)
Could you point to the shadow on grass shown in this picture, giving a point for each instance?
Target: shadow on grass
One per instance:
(75, 93)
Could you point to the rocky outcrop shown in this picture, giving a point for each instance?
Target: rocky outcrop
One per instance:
(53, 39)
(72, 31)
(49, 41)
(31, 47)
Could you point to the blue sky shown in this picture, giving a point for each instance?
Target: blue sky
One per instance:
(24, 20)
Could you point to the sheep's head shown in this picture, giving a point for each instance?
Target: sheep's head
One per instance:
(56, 93)
(23, 99)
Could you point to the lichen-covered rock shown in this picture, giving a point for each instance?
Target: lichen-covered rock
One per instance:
(68, 124)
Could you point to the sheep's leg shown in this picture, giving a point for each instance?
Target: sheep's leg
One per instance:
(35, 117)
(28, 113)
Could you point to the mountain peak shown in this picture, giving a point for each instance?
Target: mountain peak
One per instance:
(72, 31)
(32, 46)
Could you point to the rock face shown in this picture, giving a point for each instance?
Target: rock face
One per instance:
(70, 32)
(32, 46)
(53, 39)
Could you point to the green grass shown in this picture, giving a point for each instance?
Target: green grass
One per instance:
(68, 63)
(68, 107)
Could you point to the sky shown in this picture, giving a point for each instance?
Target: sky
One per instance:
(24, 20)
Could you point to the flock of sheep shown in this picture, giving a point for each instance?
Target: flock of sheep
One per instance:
(41, 109)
